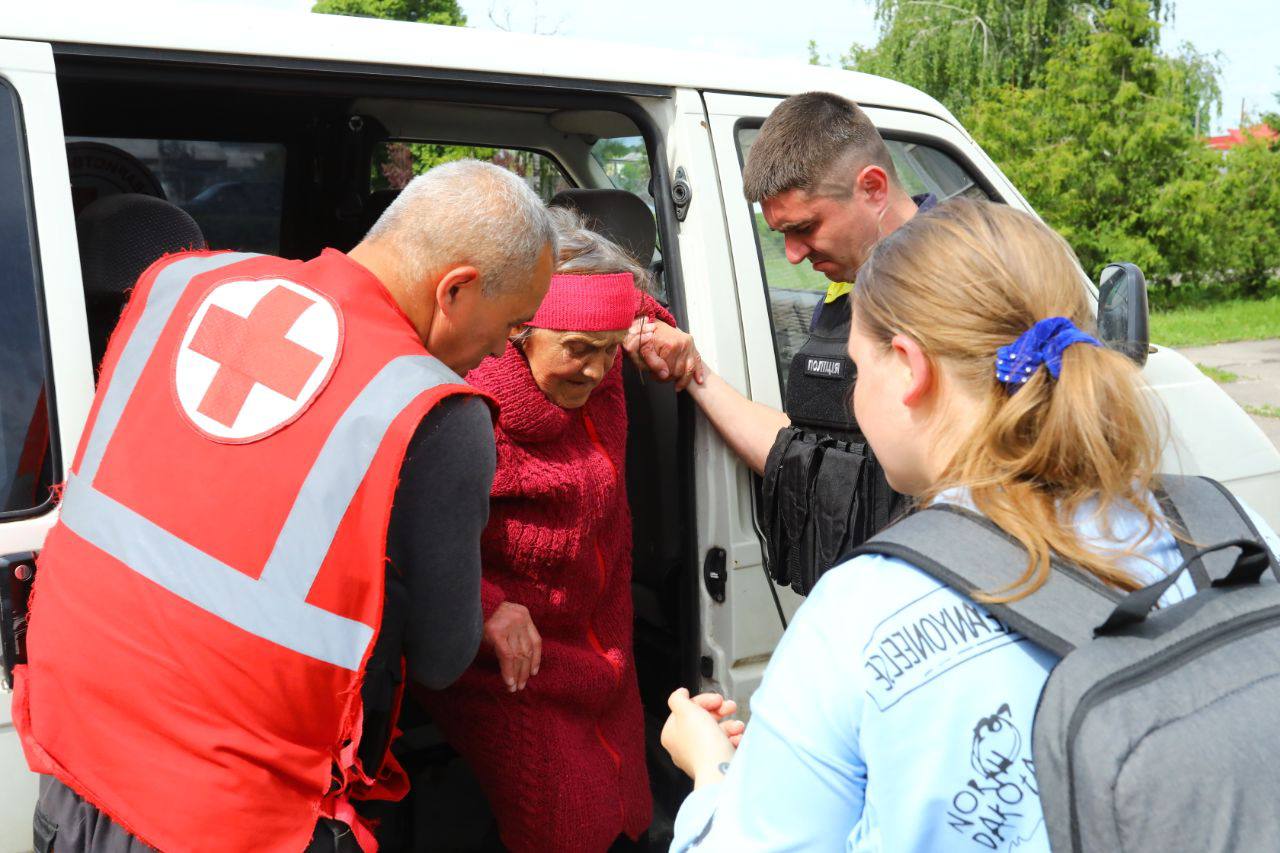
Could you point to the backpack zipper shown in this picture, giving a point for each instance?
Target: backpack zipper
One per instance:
(1144, 671)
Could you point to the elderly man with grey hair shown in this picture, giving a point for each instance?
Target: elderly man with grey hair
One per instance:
(267, 706)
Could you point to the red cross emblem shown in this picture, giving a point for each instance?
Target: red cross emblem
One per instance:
(247, 365)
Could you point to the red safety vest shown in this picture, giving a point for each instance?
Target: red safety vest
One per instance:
(209, 599)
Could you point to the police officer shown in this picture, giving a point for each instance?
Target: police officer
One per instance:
(824, 179)
(219, 629)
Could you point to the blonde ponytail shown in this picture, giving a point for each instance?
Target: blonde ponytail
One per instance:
(968, 278)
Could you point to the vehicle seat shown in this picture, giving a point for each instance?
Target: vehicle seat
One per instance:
(617, 214)
(652, 477)
(376, 204)
(120, 236)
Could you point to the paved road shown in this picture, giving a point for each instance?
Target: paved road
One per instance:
(1257, 363)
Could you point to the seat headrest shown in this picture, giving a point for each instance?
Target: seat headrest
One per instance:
(617, 214)
(121, 235)
(376, 205)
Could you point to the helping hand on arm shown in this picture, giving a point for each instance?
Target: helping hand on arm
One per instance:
(748, 427)
(665, 351)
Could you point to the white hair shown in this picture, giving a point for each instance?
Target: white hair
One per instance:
(468, 212)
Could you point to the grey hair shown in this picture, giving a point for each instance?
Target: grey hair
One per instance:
(468, 212)
(582, 251)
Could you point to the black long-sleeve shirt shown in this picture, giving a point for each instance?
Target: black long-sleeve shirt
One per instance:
(432, 609)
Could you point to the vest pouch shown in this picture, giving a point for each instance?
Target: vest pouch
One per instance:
(789, 471)
(835, 521)
(822, 496)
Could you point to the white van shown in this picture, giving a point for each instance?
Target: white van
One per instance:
(288, 133)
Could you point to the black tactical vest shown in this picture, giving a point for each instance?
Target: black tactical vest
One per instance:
(820, 379)
(824, 493)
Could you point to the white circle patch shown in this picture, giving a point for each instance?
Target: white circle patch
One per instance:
(255, 355)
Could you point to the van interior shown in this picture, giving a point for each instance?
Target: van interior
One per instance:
(289, 160)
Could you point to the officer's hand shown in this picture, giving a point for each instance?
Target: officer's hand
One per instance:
(695, 737)
(666, 351)
(516, 642)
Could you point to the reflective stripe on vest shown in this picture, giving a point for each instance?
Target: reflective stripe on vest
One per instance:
(274, 606)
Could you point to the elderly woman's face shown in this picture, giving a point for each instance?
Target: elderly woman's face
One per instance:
(569, 365)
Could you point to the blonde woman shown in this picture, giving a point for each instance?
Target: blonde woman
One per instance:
(853, 744)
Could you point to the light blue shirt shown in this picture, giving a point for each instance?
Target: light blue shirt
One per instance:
(896, 715)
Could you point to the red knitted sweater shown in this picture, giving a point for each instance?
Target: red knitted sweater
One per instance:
(562, 761)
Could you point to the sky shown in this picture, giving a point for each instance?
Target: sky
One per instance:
(1244, 32)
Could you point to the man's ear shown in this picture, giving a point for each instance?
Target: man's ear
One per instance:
(453, 283)
(873, 182)
(919, 368)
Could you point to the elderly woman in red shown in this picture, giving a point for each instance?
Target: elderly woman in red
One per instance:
(549, 716)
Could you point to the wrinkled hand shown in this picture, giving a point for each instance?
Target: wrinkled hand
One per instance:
(698, 736)
(665, 351)
(516, 642)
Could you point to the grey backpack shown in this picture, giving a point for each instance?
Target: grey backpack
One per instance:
(1158, 728)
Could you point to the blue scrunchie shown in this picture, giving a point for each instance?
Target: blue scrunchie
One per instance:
(1044, 343)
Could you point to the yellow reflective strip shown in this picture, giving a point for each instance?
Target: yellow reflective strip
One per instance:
(837, 289)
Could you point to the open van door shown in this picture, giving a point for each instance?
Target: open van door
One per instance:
(44, 353)
(741, 629)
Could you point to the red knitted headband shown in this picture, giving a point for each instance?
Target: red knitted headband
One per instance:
(589, 303)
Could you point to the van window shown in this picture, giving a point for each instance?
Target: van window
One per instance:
(233, 190)
(26, 463)
(625, 161)
(396, 162)
(795, 290)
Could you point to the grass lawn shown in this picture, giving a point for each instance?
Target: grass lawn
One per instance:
(1217, 374)
(1264, 411)
(1238, 320)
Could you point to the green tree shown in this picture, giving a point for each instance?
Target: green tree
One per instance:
(395, 163)
(957, 49)
(446, 12)
(1271, 118)
(1104, 147)
(1248, 198)
(954, 49)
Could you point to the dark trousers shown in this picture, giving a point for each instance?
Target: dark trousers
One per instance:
(63, 820)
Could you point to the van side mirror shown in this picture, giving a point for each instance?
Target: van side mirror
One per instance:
(1122, 311)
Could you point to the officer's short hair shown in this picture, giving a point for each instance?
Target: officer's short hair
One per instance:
(804, 139)
(468, 212)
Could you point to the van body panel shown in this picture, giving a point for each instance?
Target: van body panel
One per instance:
(1211, 435)
(208, 29)
(28, 68)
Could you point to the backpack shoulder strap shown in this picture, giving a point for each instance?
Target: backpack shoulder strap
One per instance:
(1207, 513)
(969, 553)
